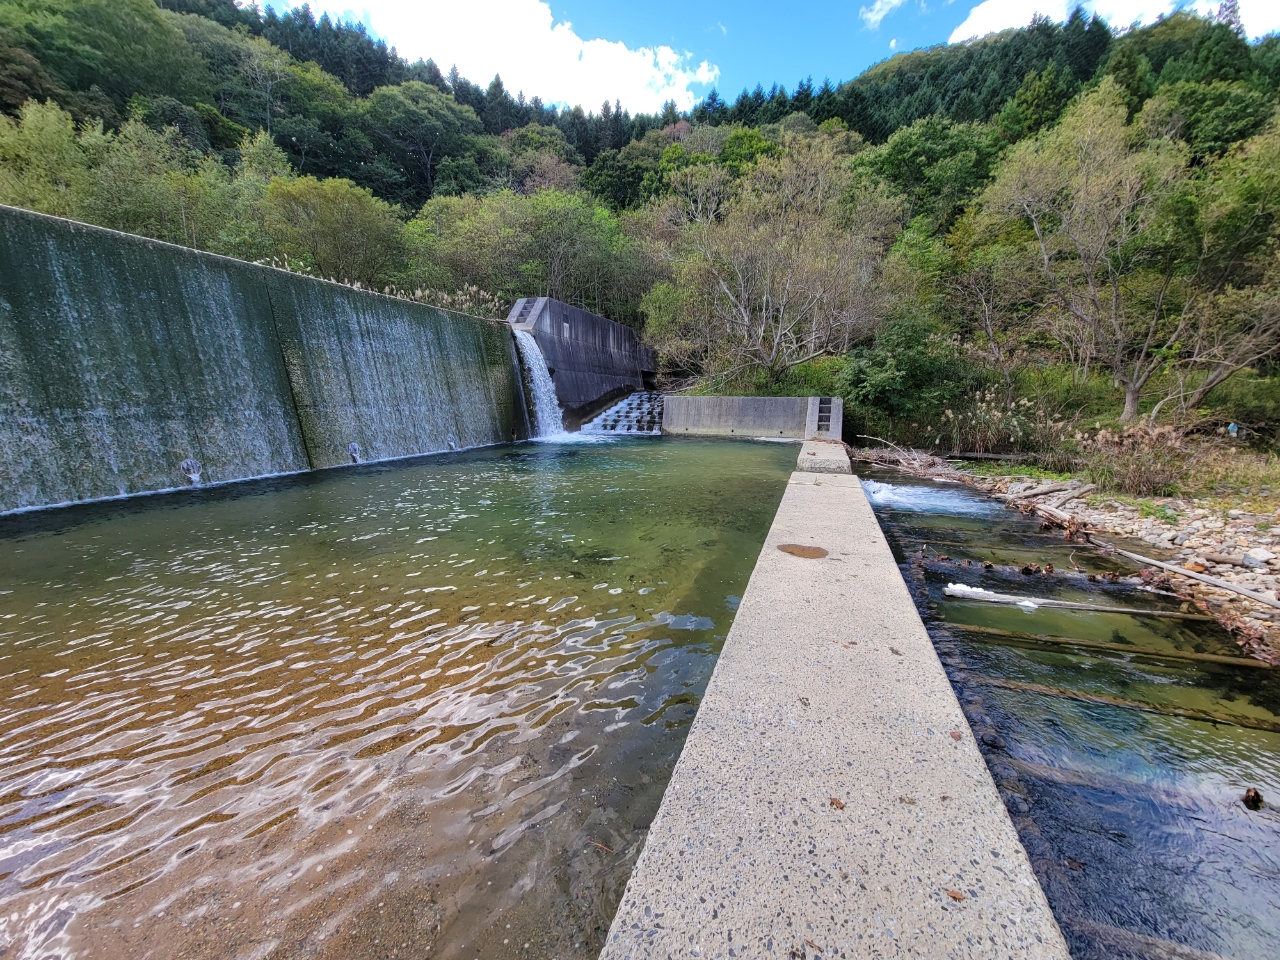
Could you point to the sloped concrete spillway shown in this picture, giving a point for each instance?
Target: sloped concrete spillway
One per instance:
(128, 365)
(593, 361)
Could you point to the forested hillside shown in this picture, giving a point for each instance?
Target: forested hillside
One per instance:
(986, 245)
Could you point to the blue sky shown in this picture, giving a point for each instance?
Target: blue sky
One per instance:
(755, 42)
(584, 51)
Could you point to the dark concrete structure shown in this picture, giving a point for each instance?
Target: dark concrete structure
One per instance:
(593, 361)
(793, 418)
(129, 365)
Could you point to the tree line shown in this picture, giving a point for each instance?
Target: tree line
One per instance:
(338, 103)
(977, 245)
(1106, 247)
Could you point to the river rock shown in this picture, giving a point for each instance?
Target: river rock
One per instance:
(1258, 557)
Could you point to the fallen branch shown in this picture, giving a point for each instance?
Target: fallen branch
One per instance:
(1070, 495)
(1044, 488)
(1168, 710)
(1060, 517)
(1191, 574)
(914, 462)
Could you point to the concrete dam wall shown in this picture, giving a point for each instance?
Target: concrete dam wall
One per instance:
(592, 360)
(794, 418)
(122, 357)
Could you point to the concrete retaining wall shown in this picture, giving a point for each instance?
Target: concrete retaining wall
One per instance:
(830, 800)
(592, 360)
(798, 418)
(121, 357)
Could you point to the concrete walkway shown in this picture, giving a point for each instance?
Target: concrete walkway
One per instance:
(823, 456)
(830, 800)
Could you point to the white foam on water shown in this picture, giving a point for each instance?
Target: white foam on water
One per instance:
(929, 499)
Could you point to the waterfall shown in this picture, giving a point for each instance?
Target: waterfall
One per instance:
(547, 421)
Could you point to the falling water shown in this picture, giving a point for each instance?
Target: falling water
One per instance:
(546, 407)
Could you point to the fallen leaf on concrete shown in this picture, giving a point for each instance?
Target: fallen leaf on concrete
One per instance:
(955, 734)
(801, 550)
(944, 797)
(838, 804)
(909, 801)
(601, 846)
(810, 943)
(955, 895)
(895, 651)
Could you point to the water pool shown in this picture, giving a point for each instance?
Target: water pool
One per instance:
(415, 709)
(1121, 744)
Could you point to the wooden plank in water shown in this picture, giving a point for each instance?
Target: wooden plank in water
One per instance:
(1168, 710)
(1240, 661)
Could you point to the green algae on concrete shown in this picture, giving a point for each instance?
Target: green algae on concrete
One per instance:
(122, 357)
(394, 377)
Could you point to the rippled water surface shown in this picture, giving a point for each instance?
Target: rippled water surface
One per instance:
(1121, 743)
(425, 709)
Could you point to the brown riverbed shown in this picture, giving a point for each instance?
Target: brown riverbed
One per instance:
(416, 711)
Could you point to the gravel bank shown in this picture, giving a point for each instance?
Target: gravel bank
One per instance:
(1236, 545)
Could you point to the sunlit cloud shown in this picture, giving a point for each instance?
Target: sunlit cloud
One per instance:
(521, 41)
(1259, 17)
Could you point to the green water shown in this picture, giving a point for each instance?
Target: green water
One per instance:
(1123, 768)
(421, 709)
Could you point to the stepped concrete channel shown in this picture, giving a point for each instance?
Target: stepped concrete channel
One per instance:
(830, 800)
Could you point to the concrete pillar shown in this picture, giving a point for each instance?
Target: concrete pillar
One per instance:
(825, 420)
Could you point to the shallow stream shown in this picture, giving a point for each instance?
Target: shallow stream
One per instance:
(1122, 744)
(415, 709)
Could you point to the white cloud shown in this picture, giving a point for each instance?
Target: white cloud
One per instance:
(872, 15)
(992, 15)
(1260, 17)
(893, 44)
(521, 40)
